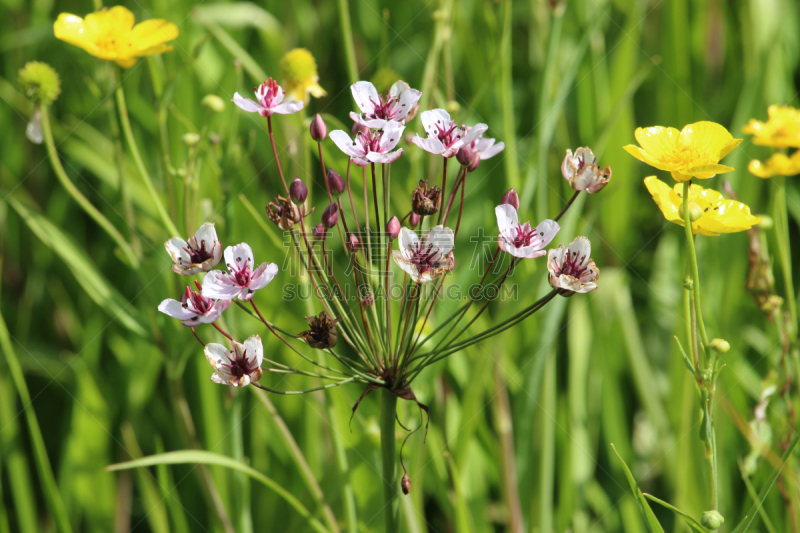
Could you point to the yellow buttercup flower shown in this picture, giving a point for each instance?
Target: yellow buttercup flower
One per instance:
(782, 130)
(694, 151)
(714, 213)
(777, 165)
(299, 76)
(109, 34)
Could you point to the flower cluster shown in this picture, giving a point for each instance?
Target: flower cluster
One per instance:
(781, 130)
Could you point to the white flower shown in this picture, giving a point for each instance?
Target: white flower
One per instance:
(200, 254)
(242, 278)
(520, 240)
(238, 366)
(428, 258)
(374, 146)
(194, 308)
(377, 111)
(582, 172)
(486, 147)
(269, 95)
(571, 269)
(445, 137)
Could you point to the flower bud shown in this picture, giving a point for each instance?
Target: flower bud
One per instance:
(405, 484)
(476, 161)
(688, 284)
(214, 103)
(766, 222)
(319, 231)
(465, 155)
(318, 129)
(298, 191)
(695, 212)
(368, 300)
(712, 520)
(511, 198)
(393, 228)
(358, 128)
(352, 243)
(191, 139)
(413, 220)
(719, 345)
(335, 182)
(331, 215)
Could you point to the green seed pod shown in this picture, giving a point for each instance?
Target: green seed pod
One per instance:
(191, 139)
(712, 519)
(695, 212)
(719, 345)
(40, 82)
(214, 103)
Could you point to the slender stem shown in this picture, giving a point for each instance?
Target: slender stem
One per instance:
(196, 336)
(275, 153)
(785, 250)
(388, 454)
(687, 221)
(78, 196)
(220, 330)
(561, 214)
(137, 157)
(444, 186)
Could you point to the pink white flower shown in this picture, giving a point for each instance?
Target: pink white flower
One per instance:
(444, 136)
(520, 240)
(194, 308)
(486, 148)
(583, 173)
(374, 146)
(200, 254)
(238, 366)
(269, 96)
(376, 110)
(571, 269)
(242, 278)
(427, 258)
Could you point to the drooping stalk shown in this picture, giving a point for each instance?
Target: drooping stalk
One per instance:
(388, 456)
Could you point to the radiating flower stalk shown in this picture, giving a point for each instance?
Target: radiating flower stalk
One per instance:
(695, 152)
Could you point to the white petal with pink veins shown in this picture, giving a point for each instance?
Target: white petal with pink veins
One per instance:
(219, 378)
(254, 350)
(207, 233)
(363, 92)
(246, 104)
(374, 123)
(391, 157)
(430, 119)
(288, 108)
(346, 144)
(217, 355)
(441, 238)
(407, 241)
(176, 249)
(492, 151)
(263, 275)
(215, 312)
(391, 136)
(546, 232)
(474, 132)
(220, 286)
(408, 99)
(507, 220)
(580, 249)
(239, 255)
(430, 144)
(175, 309)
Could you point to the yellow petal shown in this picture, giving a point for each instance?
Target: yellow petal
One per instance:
(678, 176)
(663, 197)
(705, 170)
(71, 29)
(316, 91)
(115, 20)
(645, 157)
(657, 141)
(148, 37)
(126, 62)
(729, 216)
(728, 148)
(706, 136)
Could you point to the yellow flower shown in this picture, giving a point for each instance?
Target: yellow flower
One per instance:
(782, 130)
(109, 34)
(299, 75)
(777, 165)
(694, 151)
(715, 214)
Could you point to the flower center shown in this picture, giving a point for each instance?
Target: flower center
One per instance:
(197, 254)
(449, 134)
(424, 258)
(370, 141)
(571, 265)
(241, 272)
(383, 109)
(198, 303)
(270, 90)
(523, 237)
(238, 366)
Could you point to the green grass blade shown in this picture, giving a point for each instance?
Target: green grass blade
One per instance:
(694, 524)
(215, 459)
(650, 519)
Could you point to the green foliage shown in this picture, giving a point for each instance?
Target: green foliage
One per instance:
(93, 375)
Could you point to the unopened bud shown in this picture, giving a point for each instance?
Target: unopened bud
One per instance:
(465, 155)
(368, 300)
(712, 520)
(335, 182)
(511, 198)
(405, 484)
(688, 284)
(719, 345)
(393, 228)
(318, 129)
(413, 220)
(191, 139)
(331, 215)
(298, 191)
(358, 128)
(319, 231)
(695, 212)
(214, 103)
(476, 161)
(766, 222)
(352, 243)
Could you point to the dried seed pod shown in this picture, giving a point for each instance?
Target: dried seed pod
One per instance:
(405, 484)
(322, 332)
(426, 201)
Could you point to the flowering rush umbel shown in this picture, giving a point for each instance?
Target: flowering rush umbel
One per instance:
(377, 268)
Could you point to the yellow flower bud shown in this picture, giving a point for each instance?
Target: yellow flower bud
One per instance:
(719, 345)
